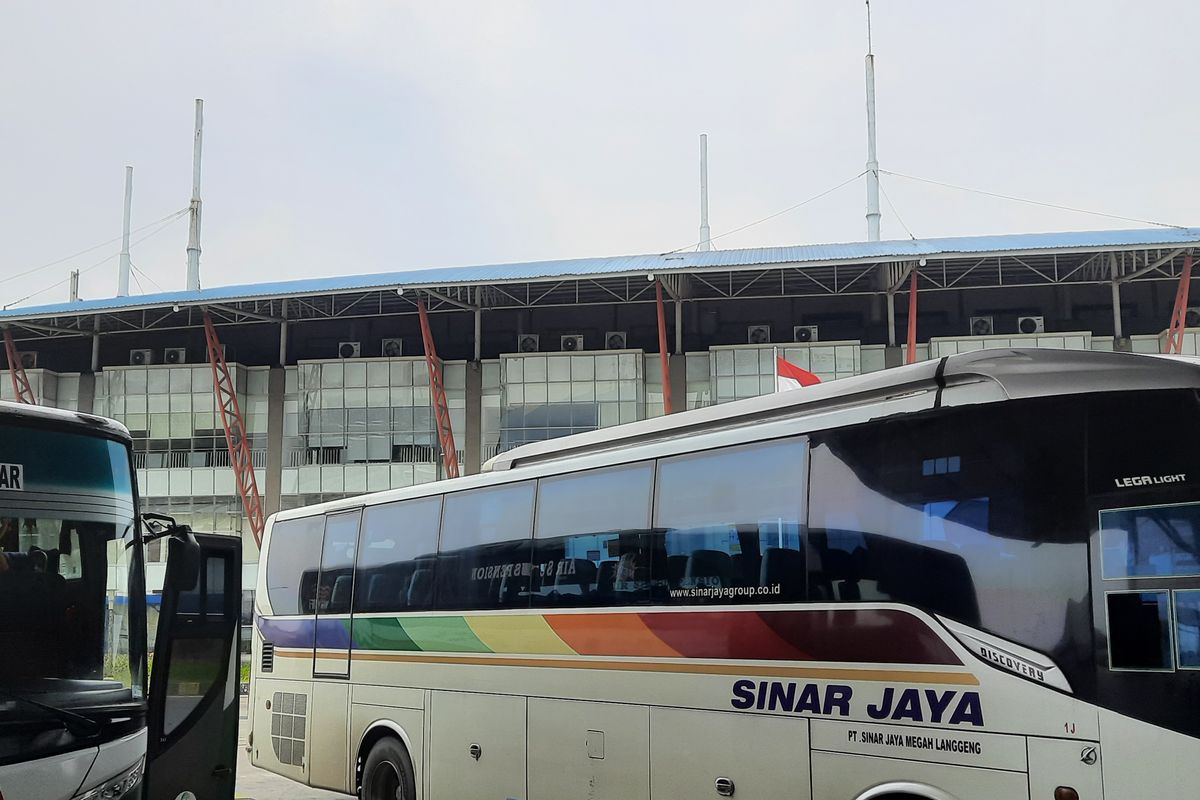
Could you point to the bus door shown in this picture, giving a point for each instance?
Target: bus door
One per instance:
(194, 679)
(335, 594)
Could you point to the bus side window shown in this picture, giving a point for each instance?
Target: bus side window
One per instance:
(395, 557)
(728, 525)
(292, 563)
(486, 548)
(592, 537)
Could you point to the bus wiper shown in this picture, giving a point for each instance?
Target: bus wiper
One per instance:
(77, 724)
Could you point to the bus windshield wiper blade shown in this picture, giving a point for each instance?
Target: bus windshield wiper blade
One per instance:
(76, 723)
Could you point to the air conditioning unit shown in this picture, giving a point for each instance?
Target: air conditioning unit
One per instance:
(28, 359)
(1031, 324)
(1191, 317)
(527, 343)
(616, 340)
(349, 349)
(141, 357)
(758, 334)
(175, 355)
(982, 326)
(392, 348)
(804, 333)
(572, 343)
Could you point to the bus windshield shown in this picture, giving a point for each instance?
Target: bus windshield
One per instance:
(68, 561)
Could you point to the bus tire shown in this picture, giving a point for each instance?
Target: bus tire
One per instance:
(388, 772)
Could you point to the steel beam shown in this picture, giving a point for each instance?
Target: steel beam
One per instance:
(663, 357)
(235, 432)
(16, 372)
(437, 393)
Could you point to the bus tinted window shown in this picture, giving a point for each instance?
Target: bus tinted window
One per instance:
(1156, 541)
(396, 556)
(1139, 630)
(336, 588)
(730, 524)
(486, 549)
(590, 527)
(295, 551)
(976, 514)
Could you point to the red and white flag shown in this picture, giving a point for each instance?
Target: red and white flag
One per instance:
(789, 376)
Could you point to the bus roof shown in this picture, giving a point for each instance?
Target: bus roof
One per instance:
(85, 423)
(1011, 373)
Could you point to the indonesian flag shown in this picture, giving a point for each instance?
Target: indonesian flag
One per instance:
(789, 376)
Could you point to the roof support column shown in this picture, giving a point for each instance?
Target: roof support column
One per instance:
(96, 344)
(283, 336)
(276, 383)
(1118, 334)
(478, 315)
(891, 318)
(663, 356)
(678, 326)
(910, 354)
(473, 446)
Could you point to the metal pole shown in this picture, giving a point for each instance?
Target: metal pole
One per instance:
(872, 159)
(891, 318)
(193, 248)
(1116, 299)
(705, 233)
(478, 330)
(74, 285)
(96, 344)
(123, 272)
(678, 326)
(910, 356)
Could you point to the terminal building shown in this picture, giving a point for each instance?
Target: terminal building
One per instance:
(334, 387)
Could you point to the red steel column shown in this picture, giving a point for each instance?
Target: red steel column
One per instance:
(437, 392)
(21, 388)
(235, 432)
(1174, 342)
(662, 348)
(16, 370)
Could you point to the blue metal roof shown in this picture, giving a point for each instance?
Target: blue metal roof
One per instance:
(690, 261)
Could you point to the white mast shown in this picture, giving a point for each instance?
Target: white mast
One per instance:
(872, 158)
(705, 233)
(123, 272)
(193, 248)
(74, 285)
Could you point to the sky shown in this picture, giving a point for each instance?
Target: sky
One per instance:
(352, 137)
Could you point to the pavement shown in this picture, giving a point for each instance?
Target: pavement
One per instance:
(258, 784)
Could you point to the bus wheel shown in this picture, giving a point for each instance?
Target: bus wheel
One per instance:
(388, 773)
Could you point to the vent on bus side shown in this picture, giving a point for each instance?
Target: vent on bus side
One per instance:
(267, 663)
(288, 724)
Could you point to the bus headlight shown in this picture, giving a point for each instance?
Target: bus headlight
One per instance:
(116, 787)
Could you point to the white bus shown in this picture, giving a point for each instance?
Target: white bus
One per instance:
(975, 578)
(76, 718)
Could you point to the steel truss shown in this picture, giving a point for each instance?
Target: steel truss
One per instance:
(764, 281)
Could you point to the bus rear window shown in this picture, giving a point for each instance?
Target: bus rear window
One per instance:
(1153, 541)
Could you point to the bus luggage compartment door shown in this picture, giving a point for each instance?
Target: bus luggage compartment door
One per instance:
(476, 746)
(759, 757)
(1064, 762)
(600, 751)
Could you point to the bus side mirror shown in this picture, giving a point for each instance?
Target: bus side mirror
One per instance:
(183, 560)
